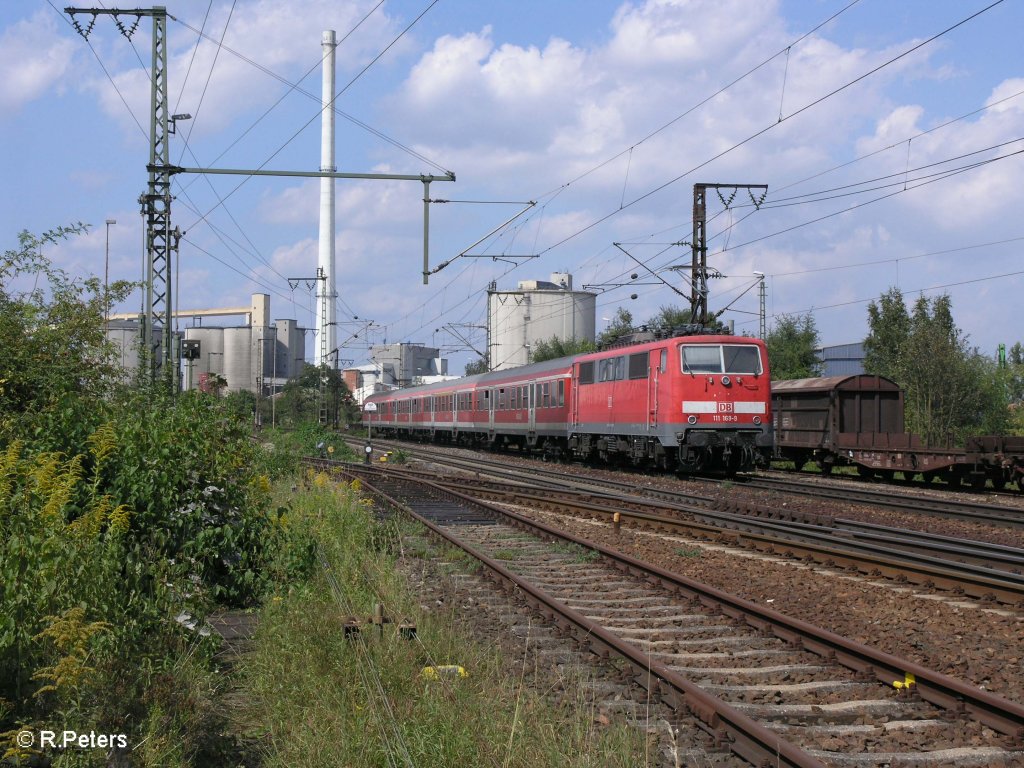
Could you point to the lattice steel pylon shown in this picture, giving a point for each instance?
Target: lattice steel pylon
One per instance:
(319, 284)
(161, 240)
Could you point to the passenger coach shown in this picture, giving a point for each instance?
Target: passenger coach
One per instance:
(691, 403)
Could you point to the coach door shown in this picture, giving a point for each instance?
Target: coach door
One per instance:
(492, 395)
(531, 406)
(574, 415)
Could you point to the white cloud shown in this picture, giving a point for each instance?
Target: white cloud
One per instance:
(684, 32)
(33, 59)
(263, 31)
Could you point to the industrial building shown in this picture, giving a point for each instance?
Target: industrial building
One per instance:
(406, 364)
(842, 359)
(394, 366)
(536, 311)
(251, 357)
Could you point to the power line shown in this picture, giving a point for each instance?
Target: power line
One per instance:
(317, 114)
(760, 132)
(295, 86)
(209, 77)
(768, 128)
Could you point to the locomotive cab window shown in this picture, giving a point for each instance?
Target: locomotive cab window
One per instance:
(638, 366)
(721, 358)
(611, 369)
(586, 374)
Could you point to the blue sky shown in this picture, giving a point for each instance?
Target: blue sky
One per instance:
(558, 102)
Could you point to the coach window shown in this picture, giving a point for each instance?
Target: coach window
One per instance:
(545, 395)
(514, 395)
(524, 397)
(561, 392)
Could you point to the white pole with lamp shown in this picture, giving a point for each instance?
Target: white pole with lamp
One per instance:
(106, 276)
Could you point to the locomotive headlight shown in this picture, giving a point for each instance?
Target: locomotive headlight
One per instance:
(726, 381)
(757, 420)
(691, 419)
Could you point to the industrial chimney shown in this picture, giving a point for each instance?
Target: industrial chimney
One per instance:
(327, 330)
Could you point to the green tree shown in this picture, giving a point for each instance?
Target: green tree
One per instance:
(951, 389)
(480, 365)
(555, 347)
(889, 329)
(621, 325)
(299, 401)
(793, 348)
(121, 507)
(668, 318)
(55, 358)
(1014, 373)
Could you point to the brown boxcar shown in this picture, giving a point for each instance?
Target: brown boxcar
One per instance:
(854, 420)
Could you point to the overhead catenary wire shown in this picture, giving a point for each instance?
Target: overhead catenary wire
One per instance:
(295, 86)
(507, 271)
(770, 127)
(900, 179)
(321, 110)
(213, 65)
(762, 131)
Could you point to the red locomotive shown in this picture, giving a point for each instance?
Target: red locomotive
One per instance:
(688, 403)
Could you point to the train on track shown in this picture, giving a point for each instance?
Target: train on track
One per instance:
(858, 421)
(687, 403)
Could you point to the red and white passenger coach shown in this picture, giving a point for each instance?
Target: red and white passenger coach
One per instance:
(689, 403)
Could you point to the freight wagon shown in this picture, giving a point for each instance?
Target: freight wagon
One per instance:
(858, 421)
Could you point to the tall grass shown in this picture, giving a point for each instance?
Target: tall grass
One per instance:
(317, 697)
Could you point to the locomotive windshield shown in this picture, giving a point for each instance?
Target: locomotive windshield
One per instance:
(721, 358)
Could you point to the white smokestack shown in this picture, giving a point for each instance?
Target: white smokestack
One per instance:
(327, 334)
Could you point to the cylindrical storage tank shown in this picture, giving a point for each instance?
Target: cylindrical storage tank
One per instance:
(538, 311)
(125, 335)
(211, 352)
(563, 314)
(238, 358)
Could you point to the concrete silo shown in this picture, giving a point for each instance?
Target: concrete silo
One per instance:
(238, 358)
(536, 311)
(291, 349)
(211, 352)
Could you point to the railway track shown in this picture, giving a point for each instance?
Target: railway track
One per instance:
(991, 514)
(980, 570)
(980, 512)
(773, 690)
